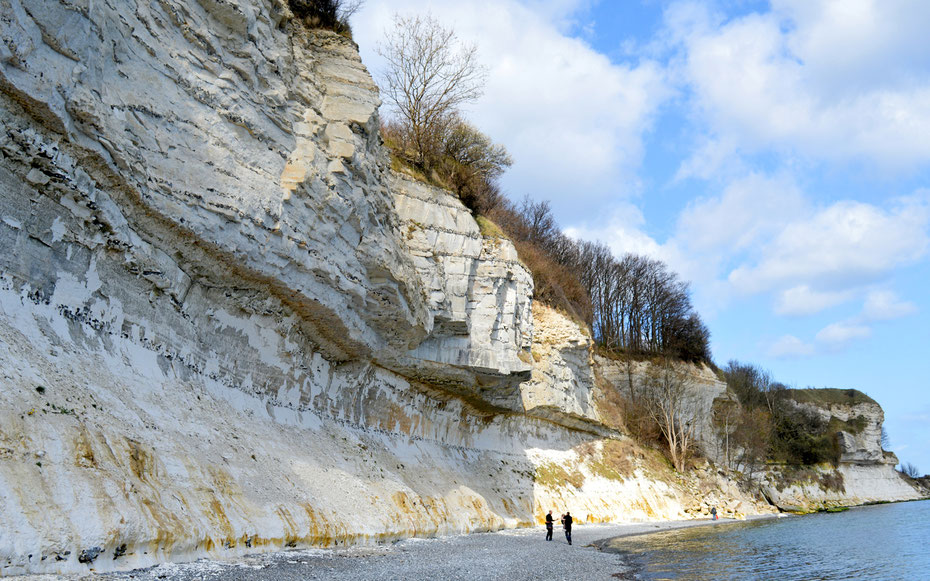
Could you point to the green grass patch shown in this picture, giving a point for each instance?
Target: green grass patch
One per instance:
(489, 229)
(829, 396)
(852, 425)
(615, 460)
(553, 475)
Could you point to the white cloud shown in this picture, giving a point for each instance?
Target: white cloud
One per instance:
(789, 346)
(571, 119)
(838, 335)
(803, 300)
(845, 245)
(623, 233)
(852, 45)
(879, 305)
(845, 80)
(883, 305)
(750, 209)
(710, 158)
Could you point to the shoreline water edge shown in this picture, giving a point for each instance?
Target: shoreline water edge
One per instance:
(513, 554)
(506, 554)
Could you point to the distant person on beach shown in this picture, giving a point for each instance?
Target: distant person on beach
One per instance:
(549, 526)
(713, 512)
(567, 523)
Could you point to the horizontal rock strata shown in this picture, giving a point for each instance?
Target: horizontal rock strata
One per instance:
(227, 326)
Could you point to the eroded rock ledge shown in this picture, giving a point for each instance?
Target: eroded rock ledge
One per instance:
(226, 326)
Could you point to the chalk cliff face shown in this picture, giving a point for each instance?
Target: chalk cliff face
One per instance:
(227, 326)
(478, 294)
(702, 388)
(865, 473)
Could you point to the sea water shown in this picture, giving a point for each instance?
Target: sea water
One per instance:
(887, 541)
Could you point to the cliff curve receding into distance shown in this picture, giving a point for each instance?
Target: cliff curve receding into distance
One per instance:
(864, 472)
(227, 326)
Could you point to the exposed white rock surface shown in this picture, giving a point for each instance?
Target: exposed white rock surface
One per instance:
(561, 387)
(479, 293)
(809, 490)
(226, 327)
(240, 144)
(703, 388)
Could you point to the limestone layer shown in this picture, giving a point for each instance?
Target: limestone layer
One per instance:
(227, 326)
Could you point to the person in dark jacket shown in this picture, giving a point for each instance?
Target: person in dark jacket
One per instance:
(567, 523)
(549, 526)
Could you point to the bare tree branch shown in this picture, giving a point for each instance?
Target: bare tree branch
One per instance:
(429, 75)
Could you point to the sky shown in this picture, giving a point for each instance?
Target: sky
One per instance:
(775, 154)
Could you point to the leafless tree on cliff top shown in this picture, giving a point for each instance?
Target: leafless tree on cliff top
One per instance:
(429, 75)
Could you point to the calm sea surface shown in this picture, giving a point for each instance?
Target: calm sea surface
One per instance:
(888, 541)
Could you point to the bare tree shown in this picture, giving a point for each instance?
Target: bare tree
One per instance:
(752, 437)
(909, 470)
(725, 411)
(429, 75)
(886, 439)
(667, 398)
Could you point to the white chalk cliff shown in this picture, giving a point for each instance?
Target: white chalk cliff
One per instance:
(864, 473)
(227, 326)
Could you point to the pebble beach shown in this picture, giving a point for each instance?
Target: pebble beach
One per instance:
(510, 554)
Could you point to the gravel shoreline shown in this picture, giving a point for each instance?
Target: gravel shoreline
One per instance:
(520, 554)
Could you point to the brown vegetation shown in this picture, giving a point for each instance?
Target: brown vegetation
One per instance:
(768, 425)
(635, 305)
(329, 14)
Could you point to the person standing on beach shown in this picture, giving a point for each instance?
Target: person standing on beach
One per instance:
(713, 512)
(549, 526)
(567, 523)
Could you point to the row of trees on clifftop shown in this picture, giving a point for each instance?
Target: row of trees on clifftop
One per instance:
(634, 304)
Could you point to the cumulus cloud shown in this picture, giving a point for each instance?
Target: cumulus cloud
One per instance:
(750, 209)
(844, 245)
(884, 305)
(763, 235)
(836, 81)
(803, 300)
(623, 232)
(789, 346)
(840, 334)
(879, 305)
(711, 157)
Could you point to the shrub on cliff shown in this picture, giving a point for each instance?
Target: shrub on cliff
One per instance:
(795, 435)
(329, 14)
(462, 159)
(801, 438)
